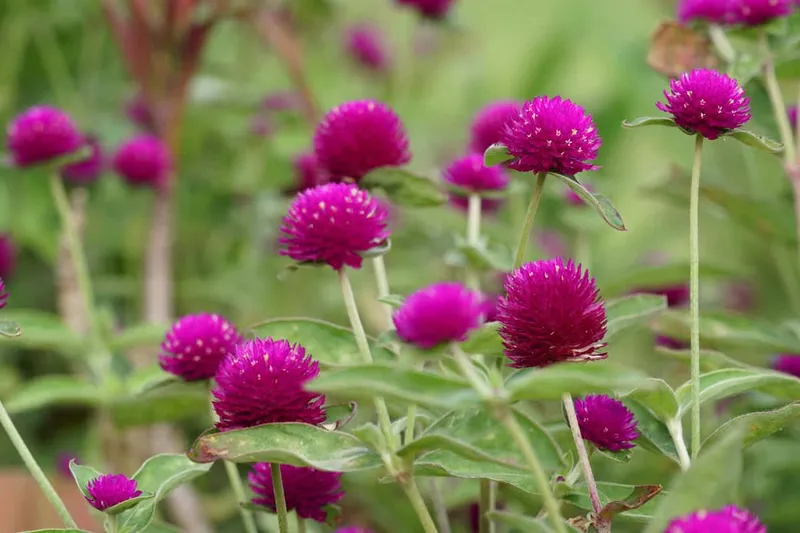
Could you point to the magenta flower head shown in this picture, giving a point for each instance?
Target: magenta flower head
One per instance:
(262, 382)
(109, 490)
(333, 224)
(41, 134)
(307, 173)
(144, 161)
(792, 114)
(195, 346)
(365, 45)
(308, 491)
(711, 11)
(757, 12)
(357, 137)
(470, 173)
(490, 307)
(3, 294)
(551, 135)
(729, 519)
(788, 364)
(87, 170)
(706, 102)
(487, 126)
(606, 422)
(551, 312)
(8, 255)
(432, 9)
(439, 313)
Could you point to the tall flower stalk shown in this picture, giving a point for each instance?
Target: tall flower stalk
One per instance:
(694, 291)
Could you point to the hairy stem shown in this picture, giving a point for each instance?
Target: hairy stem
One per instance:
(530, 215)
(238, 490)
(583, 456)
(439, 506)
(694, 290)
(280, 498)
(676, 432)
(418, 503)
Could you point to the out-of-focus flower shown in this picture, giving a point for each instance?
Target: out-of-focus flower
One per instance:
(8, 256)
(712, 11)
(670, 343)
(551, 242)
(63, 461)
(41, 134)
(307, 173)
(108, 490)
(3, 294)
(787, 363)
(86, 170)
(144, 161)
(757, 12)
(139, 113)
(573, 199)
(677, 295)
(487, 126)
(364, 43)
(432, 9)
(195, 346)
(470, 174)
(307, 491)
(606, 422)
(729, 519)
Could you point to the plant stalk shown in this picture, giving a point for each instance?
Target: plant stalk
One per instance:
(382, 281)
(487, 502)
(439, 506)
(676, 432)
(778, 105)
(418, 503)
(280, 498)
(694, 290)
(530, 215)
(583, 455)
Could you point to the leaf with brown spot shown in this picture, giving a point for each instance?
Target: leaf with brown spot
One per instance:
(641, 495)
(675, 49)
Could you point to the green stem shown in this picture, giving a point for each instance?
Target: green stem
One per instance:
(112, 524)
(280, 498)
(778, 106)
(439, 506)
(382, 281)
(473, 237)
(35, 470)
(506, 417)
(414, 496)
(694, 290)
(301, 525)
(238, 489)
(411, 419)
(676, 432)
(530, 215)
(583, 456)
(487, 503)
(722, 43)
(468, 370)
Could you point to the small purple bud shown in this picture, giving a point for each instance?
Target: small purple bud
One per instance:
(365, 45)
(144, 161)
(108, 490)
(606, 422)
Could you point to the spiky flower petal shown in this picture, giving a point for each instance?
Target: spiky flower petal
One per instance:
(487, 126)
(307, 491)
(706, 102)
(108, 490)
(41, 134)
(552, 312)
(469, 173)
(144, 161)
(606, 422)
(729, 519)
(263, 382)
(196, 344)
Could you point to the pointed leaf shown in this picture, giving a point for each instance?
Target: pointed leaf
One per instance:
(42, 331)
(149, 378)
(551, 382)
(612, 494)
(622, 456)
(10, 329)
(404, 188)
(485, 340)
(484, 257)
(128, 504)
(640, 495)
(657, 396)
(654, 434)
(61, 390)
(600, 202)
(756, 141)
(632, 310)
(649, 121)
(83, 475)
(290, 443)
(340, 415)
(757, 426)
(395, 382)
(496, 154)
(711, 482)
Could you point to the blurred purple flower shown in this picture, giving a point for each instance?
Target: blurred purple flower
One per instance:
(792, 113)
(41, 134)
(307, 491)
(551, 242)
(712, 11)
(8, 255)
(606, 422)
(139, 112)
(573, 199)
(108, 490)
(195, 346)
(670, 343)
(729, 519)
(432, 9)
(757, 12)
(353, 529)
(787, 363)
(469, 173)
(364, 43)
(86, 170)
(262, 125)
(490, 307)
(62, 463)
(677, 295)
(282, 101)
(307, 173)
(3, 294)
(740, 296)
(487, 126)
(143, 160)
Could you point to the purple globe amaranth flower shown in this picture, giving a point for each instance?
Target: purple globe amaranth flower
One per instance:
(144, 161)
(712, 11)
(706, 102)
(729, 519)
(195, 346)
(139, 112)
(552, 312)
(307, 173)
(551, 135)
(432, 9)
(3, 294)
(670, 343)
(108, 490)
(86, 170)
(41, 134)
(490, 307)
(757, 12)
(471, 174)
(357, 137)
(439, 313)
(487, 126)
(333, 224)
(606, 422)
(364, 43)
(788, 364)
(307, 491)
(262, 382)
(8, 255)
(262, 125)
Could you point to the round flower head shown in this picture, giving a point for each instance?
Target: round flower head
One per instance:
(262, 125)
(729, 519)
(357, 137)
(333, 224)
(707, 102)
(551, 135)
(262, 382)
(195, 346)
(139, 113)
(3, 294)
(308, 491)
(365, 45)
(712, 11)
(433, 9)
(41, 134)
(470, 173)
(551, 243)
(143, 161)
(439, 313)
(109, 490)
(487, 126)
(606, 422)
(788, 364)
(757, 12)
(490, 307)
(86, 170)
(551, 312)
(307, 173)
(8, 255)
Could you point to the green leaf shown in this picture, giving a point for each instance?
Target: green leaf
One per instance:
(710, 360)
(149, 378)
(168, 403)
(484, 340)
(496, 154)
(639, 496)
(328, 343)
(43, 331)
(290, 443)
(659, 276)
(649, 121)
(614, 494)
(622, 456)
(158, 475)
(340, 415)
(757, 426)
(10, 329)
(83, 475)
(756, 141)
(730, 382)
(395, 382)
(128, 504)
(654, 434)
(711, 482)
(629, 311)
(382, 249)
(523, 523)
(600, 202)
(136, 336)
(483, 257)
(160, 527)
(404, 188)
(551, 382)
(395, 300)
(657, 396)
(61, 390)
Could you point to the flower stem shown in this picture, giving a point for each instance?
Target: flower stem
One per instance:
(506, 417)
(238, 489)
(418, 503)
(34, 468)
(694, 290)
(280, 498)
(439, 506)
(676, 432)
(112, 525)
(583, 456)
(382, 281)
(530, 215)
(411, 417)
(487, 503)
(469, 372)
(778, 106)
(473, 237)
